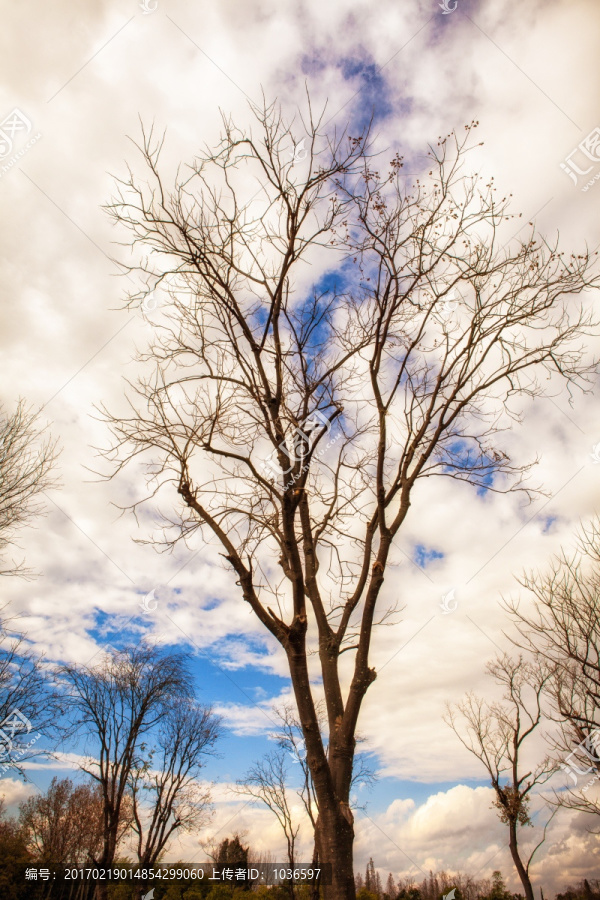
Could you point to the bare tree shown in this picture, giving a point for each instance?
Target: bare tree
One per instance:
(266, 781)
(296, 422)
(117, 704)
(29, 704)
(27, 460)
(497, 733)
(291, 742)
(166, 794)
(562, 627)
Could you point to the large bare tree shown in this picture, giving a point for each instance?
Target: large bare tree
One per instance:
(293, 415)
(558, 617)
(499, 734)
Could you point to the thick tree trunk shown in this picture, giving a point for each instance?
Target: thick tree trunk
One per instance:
(101, 892)
(332, 772)
(336, 841)
(514, 851)
(314, 890)
(334, 835)
(105, 862)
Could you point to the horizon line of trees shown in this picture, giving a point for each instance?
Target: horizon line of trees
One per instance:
(62, 829)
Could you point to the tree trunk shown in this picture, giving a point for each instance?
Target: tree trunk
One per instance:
(514, 851)
(105, 862)
(314, 889)
(101, 892)
(335, 843)
(334, 834)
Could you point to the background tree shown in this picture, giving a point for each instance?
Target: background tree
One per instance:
(63, 827)
(391, 890)
(498, 735)
(266, 781)
(407, 889)
(232, 854)
(268, 404)
(562, 627)
(585, 890)
(27, 461)
(116, 705)
(498, 889)
(14, 856)
(27, 699)
(291, 741)
(372, 879)
(165, 791)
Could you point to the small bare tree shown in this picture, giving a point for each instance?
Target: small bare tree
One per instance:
(497, 734)
(267, 782)
(117, 705)
(295, 421)
(166, 794)
(562, 627)
(27, 461)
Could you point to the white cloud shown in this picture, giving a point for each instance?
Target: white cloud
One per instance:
(13, 792)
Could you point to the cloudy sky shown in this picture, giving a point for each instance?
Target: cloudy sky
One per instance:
(80, 78)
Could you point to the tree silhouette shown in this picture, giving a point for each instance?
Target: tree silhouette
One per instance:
(498, 735)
